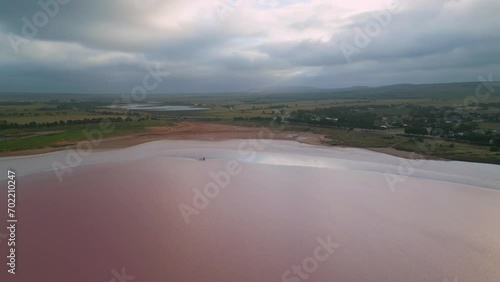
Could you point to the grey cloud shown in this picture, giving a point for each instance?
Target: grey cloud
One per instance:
(429, 41)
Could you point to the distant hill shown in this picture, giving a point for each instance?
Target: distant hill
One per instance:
(399, 91)
(285, 89)
(442, 90)
(300, 89)
(297, 93)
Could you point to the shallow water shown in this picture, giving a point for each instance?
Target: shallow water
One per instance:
(153, 107)
(122, 208)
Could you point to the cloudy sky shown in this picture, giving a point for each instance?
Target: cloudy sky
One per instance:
(105, 46)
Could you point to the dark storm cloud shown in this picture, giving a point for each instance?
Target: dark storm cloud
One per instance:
(104, 46)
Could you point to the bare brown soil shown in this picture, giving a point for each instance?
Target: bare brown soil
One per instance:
(205, 132)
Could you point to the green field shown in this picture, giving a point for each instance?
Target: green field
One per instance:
(73, 135)
(49, 120)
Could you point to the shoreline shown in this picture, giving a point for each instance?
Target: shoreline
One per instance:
(257, 214)
(211, 132)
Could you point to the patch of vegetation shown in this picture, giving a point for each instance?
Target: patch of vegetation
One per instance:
(406, 117)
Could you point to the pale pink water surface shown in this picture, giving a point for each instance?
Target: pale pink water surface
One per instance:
(107, 216)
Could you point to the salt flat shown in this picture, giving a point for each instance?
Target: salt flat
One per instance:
(256, 210)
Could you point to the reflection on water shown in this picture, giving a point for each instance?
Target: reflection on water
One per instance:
(277, 153)
(279, 217)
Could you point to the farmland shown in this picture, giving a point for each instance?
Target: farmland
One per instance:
(400, 117)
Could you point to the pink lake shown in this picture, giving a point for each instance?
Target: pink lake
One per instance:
(291, 212)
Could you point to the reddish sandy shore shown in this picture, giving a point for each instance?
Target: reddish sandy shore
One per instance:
(209, 132)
